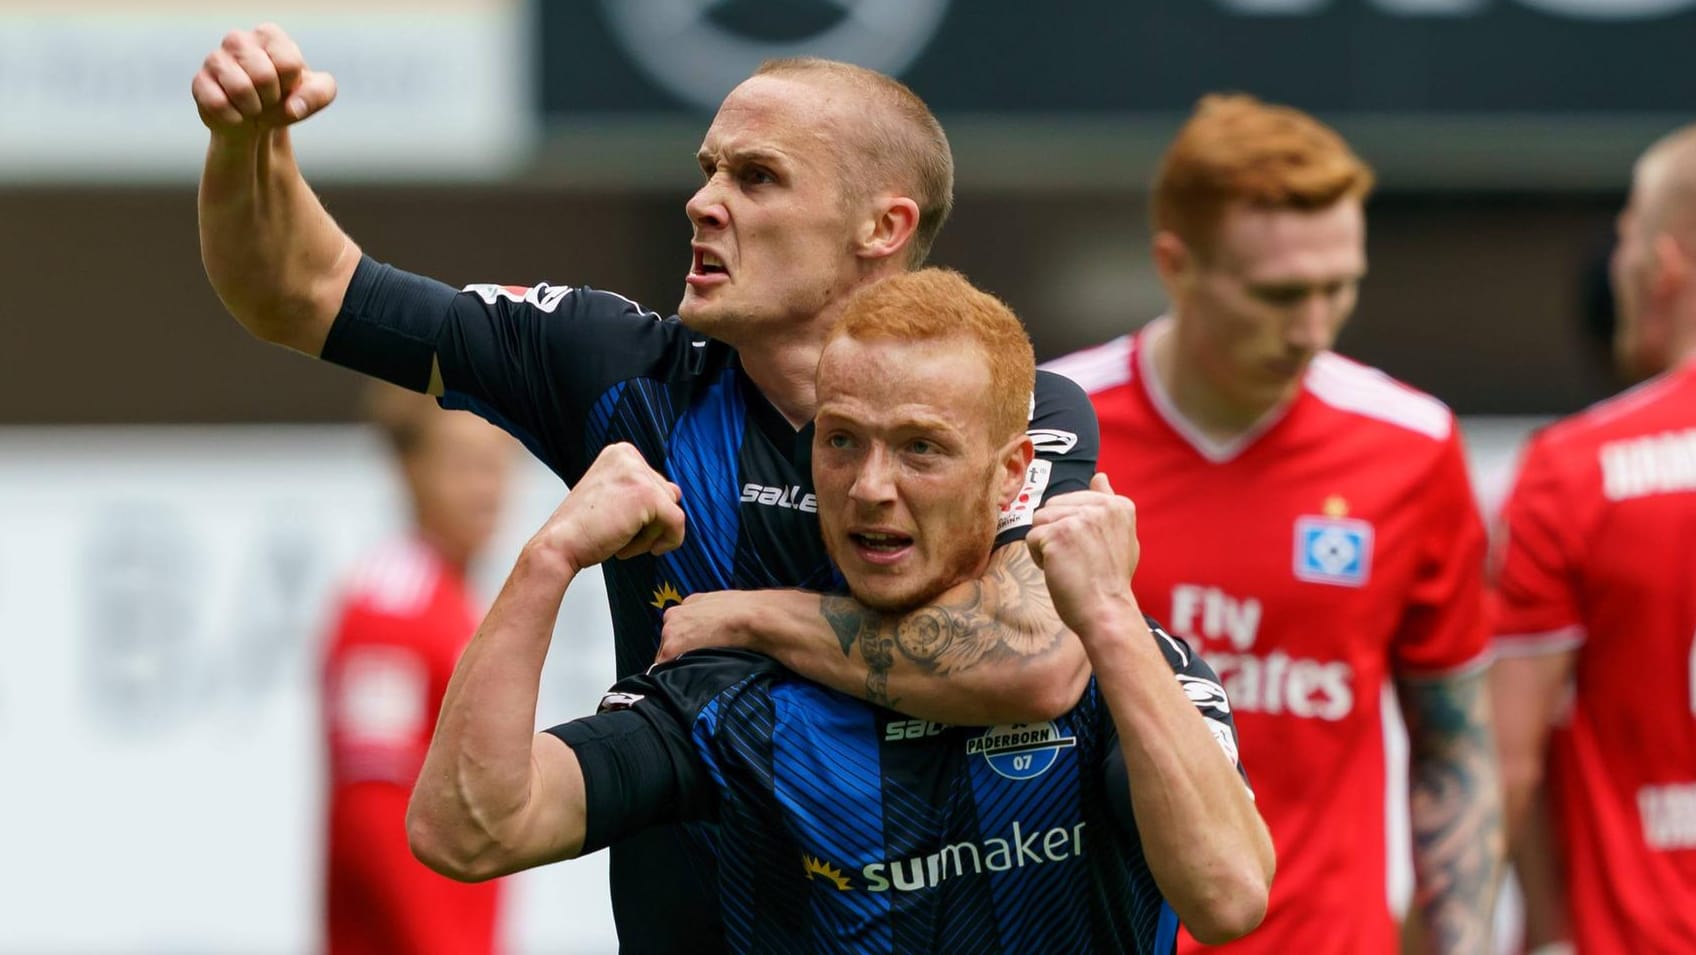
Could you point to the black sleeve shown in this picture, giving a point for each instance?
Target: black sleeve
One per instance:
(1068, 442)
(1206, 693)
(642, 764)
(535, 361)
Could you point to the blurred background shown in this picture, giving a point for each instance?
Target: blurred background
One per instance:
(178, 501)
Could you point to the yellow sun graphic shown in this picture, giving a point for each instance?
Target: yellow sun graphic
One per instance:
(824, 870)
(665, 596)
(1335, 506)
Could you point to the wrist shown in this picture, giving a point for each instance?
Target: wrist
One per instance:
(1112, 621)
(549, 556)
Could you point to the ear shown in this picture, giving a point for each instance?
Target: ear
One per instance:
(1015, 463)
(1672, 268)
(889, 228)
(1175, 262)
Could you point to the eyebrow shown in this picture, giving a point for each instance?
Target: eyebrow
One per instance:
(923, 423)
(767, 156)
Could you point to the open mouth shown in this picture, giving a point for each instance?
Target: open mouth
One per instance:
(706, 263)
(880, 546)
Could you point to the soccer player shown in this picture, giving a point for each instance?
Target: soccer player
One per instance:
(841, 826)
(1310, 526)
(1595, 594)
(405, 615)
(818, 178)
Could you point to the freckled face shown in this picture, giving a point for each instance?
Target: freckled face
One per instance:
(909, 479)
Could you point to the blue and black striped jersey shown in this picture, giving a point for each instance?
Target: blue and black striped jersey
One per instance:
(838, 826)
(570, 370)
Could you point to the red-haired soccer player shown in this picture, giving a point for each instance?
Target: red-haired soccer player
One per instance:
(1308, 524)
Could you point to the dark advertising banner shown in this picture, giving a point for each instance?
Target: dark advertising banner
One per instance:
(1397, 57)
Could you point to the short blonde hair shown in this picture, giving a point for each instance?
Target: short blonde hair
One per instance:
(1237, 149)
(904, 146)
(940, 305)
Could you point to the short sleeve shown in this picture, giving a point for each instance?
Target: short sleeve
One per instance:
(1067, 441)
(1533, 605)
(535, 361)
(1442, 629)
(639, 756)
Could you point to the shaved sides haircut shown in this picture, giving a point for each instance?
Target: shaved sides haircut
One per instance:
(902, 146)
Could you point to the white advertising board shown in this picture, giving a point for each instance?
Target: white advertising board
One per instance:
(162, 592)
(94, 90)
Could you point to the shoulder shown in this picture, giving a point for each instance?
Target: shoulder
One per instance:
(1099, 368)
(398, 579)
(575, 299)
(1625, 414)
(697, 683)
(1365, 393)
(1059, 407)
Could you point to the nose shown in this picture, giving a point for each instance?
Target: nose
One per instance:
(1310, 328)
(706, 207)
(874, 482)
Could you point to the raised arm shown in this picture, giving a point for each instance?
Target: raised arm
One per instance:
(1455, 806)
(277, 260)
(1205, 843)
(494, 796)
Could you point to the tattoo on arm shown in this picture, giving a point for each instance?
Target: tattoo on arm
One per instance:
(1006, 614)
(1456, 811)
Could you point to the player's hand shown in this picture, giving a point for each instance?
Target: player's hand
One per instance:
(257, 79)
(621, 508)
(710, 619)
(1086, 545)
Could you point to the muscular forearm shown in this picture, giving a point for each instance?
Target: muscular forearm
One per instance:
(989, 651)
(468, 815)
(277, 260)
(1203, 838)
(1456, 811)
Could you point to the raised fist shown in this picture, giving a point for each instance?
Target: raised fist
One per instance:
(257, 79)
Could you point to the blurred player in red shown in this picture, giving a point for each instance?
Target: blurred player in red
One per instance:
(1595, 592)
(1309, 524)
(405, 616)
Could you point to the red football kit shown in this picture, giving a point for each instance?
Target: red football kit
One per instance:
(1598, 555)
(1332, 546)
(404, 619)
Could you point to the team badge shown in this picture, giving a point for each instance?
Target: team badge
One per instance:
(1021, 750)
(1333, 550)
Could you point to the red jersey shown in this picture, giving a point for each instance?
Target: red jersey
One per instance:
(1333, 545)
(1598, 554)
(403, 621)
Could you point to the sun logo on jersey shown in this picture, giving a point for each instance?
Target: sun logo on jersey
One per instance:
(823, 870)
(665, 596)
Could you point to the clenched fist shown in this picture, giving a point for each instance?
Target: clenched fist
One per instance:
(621, 508)
(257, 79)
(1086, 545)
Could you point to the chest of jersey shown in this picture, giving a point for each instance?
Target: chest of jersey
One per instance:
(1288, 562)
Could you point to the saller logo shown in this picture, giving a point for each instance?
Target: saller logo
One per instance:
(790, 497)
